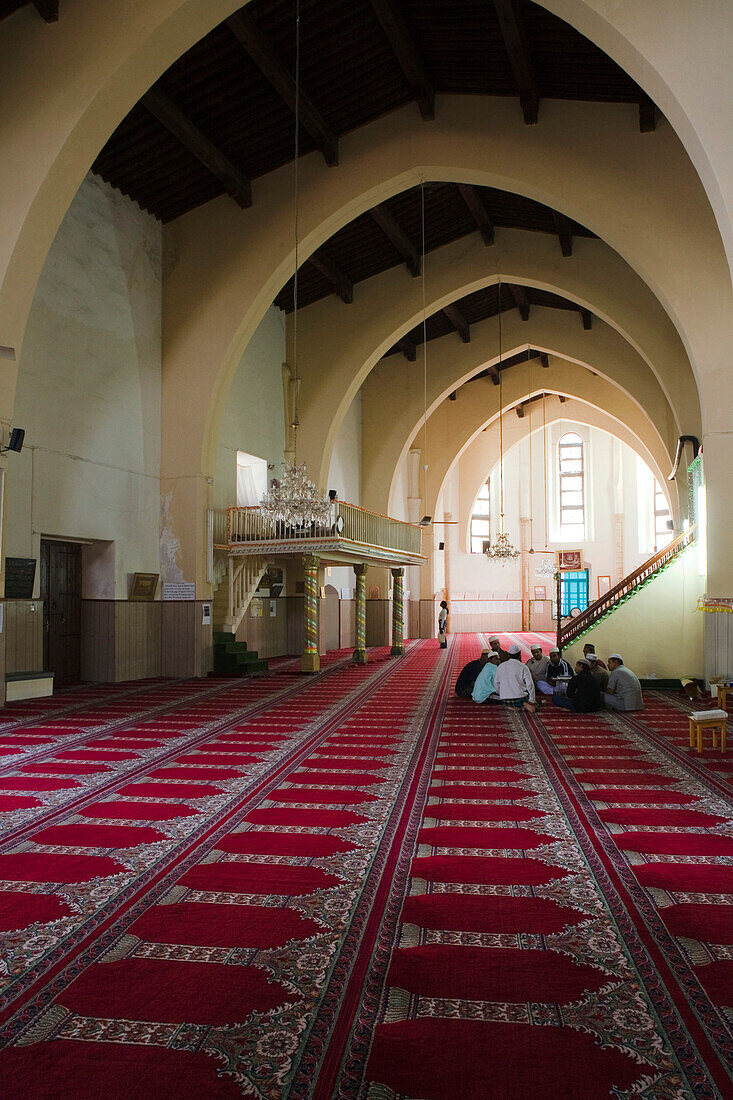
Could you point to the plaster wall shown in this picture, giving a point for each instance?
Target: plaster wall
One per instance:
(253, 420)
(659, 631)
(89, 392)
(344, 475)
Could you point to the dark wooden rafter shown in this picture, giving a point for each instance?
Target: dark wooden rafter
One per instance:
(544, 359)
(587, 318)
(564, 231)
(519, 294)
(47, 9)
(406, 53)
(248, 34)
(515, 41)
(340, 282)
(647, 115)
(408, 349)
(453, 396)
(162, 107)
(459, 322)
(478, 211)
(493, 373)
(562, 398)
(394, 232)
(519, 409)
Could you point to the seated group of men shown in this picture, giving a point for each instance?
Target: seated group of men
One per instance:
(499, 676)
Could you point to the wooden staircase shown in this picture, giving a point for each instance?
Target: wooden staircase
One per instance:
(573, 629)
(234, 593)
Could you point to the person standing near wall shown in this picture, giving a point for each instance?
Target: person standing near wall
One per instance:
(443, 624)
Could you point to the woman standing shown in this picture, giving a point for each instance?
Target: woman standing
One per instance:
(442, 624)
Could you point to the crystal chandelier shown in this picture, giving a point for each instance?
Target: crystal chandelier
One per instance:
(293, 499)
(502, 550)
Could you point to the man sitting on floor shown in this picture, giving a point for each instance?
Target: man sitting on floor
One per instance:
(624, 690)
(468, 674)
(556, 667)
(537, 663)
(484, 690)
(496, 647)
(583, 695)
(514, 683)
(600, 673)
(589, 651)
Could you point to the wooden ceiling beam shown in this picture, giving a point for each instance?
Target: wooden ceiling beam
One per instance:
(478, 211)
(408, 349)
(394, 232)
(564, 232)
(408, 58)
(521, 300)
(587, 317)
(493, 373)
(47, 9)
(459, 322)
(162, 107)
(544, 359)
(515, 41)
(249, 36)
(340, 282)
(647, 115)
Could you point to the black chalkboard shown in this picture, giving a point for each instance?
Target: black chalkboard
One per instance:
(20, 574)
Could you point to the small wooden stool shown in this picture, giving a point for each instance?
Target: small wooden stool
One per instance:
(707, 720)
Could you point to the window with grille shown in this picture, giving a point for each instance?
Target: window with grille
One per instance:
(480, 521)
(571, 478)
(662, 532)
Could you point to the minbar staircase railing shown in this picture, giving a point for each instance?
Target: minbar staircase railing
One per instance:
(572, 629)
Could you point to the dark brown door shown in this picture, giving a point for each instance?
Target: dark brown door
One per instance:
(61, 595)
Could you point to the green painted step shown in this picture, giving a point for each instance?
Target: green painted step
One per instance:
(232, 658)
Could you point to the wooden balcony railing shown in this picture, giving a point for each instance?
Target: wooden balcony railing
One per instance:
(349, 526)
(572, 629)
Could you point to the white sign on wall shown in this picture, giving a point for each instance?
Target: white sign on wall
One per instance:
(179, 590)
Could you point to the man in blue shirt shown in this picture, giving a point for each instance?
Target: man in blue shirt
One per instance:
(483, 689)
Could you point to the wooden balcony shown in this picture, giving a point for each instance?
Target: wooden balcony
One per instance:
(353, 534)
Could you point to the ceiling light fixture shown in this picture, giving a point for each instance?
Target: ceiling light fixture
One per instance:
(502, 550)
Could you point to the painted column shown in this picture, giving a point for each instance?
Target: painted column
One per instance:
(360, 653)
(398, 613)
(310, 661)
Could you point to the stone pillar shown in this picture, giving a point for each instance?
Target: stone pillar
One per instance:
(310, 661)
(360, 653)
(398, 613)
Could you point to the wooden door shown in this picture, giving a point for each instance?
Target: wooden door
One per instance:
(61, 595)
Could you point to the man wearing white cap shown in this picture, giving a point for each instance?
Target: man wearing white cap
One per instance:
(496, 646)
(556, 667)
(598, 671)
(537, 663)
(624, 690)
(513, 682)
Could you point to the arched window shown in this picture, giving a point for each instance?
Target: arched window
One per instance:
(662, 519)
(571, 478)
(480, 521)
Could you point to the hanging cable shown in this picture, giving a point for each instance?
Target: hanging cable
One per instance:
(424, 343)
(296, 227)
(501, 425)
(531, 492)
(544, 459)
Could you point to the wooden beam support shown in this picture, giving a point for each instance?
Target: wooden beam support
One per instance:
(515, 41)
(248, 34)
(408, 349)
(493, 373)
(521, 300)
(647, 115)
(544, 359)
(587, 317)
(164, 109)
(459, 322)
(394, 232)
(520, 411)
(408, 58)
(453, 396)
(47, 9)
(564, 232)
(340, 282)
(479, 213)
(563, 398)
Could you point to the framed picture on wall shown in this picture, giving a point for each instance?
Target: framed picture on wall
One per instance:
(571, 559)
(604, 586)
(540, 592)
(143, 586)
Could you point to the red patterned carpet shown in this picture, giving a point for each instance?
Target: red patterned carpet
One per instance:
(357, 885)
